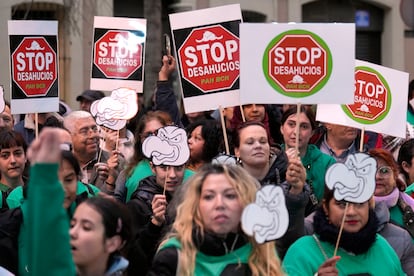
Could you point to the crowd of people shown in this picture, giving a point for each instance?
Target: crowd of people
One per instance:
(82, 199)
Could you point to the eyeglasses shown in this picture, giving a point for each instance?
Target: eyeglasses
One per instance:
(85, 130)
(384, 171)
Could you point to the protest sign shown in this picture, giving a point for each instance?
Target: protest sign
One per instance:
(207, 44)
(296, 63)
(380, 101)
(34, 66)
(118, 53)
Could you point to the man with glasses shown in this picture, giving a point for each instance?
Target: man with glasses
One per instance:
(98, 167)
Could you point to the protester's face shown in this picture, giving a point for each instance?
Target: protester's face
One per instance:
(87, 237)
(385, 181)
(356, 216)
(85, 137)
(85, 105)
(220, 207)
(150, 128)
(69, 180)
(254, 148)
(12, 162)
(196, 144)
(254, 112)
(288, 130)
(169, 176)
(342, 132)
(6, 119)
(409, 169)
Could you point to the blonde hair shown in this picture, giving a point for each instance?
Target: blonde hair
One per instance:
(188, 217)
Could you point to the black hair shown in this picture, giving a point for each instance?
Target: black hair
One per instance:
(116, 220)
(68, 156)
(11, 138)
(406, 153)
(212, 134)
(303, 109)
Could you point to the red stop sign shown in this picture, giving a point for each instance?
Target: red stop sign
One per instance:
(118, 54)
(209, 58)
(34, 66)
(297, 63)
(372, 97)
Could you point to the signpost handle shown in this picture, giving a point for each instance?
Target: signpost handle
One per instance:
(36, 115)
(242, 113)
(297, 128)
(361, 142)
(223, 126)
(340, 229)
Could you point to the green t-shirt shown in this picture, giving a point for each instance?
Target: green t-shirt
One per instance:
(305, 256)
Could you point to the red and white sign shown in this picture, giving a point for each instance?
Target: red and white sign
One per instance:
(297, 63)
(116, 55)
(34, 66)
(209, 58)
(380, 105)
(207, 45)
(304, 63)
(371, 96)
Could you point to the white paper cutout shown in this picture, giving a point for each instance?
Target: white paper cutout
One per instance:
(128, 99)
(168, 147)
(101, 120)
(354, 180)
(2, 103)
(267, 218)
(122, 104)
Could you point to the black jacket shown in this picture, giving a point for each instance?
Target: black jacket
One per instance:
(146, 234)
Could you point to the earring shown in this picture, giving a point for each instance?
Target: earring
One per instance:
(239, 161)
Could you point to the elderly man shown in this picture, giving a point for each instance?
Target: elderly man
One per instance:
(98, 167)
(340, 141)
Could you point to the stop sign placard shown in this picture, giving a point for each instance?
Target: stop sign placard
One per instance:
(209, 58)
(118, 54)
(297, 63)
(372, 97)
(34, 66)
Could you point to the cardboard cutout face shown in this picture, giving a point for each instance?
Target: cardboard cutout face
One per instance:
(354, 180)
(102, 120)
(267, 218)
(168, 147)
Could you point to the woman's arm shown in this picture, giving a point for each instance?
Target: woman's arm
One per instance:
(46, 239)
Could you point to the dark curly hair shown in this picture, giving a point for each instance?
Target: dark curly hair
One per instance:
(213, 136)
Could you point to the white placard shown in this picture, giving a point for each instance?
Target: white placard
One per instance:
(118, 53)
(380, 93)
(34, 67)
(296, 63)
(207, 50)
